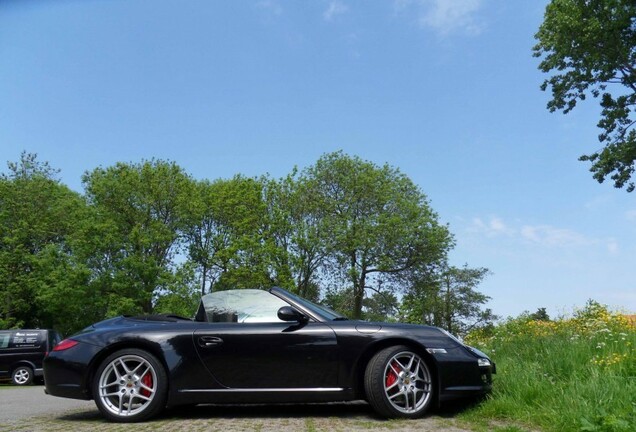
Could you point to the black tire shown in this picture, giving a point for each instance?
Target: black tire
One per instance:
(130, 385)
(22, 376)
(398, 383)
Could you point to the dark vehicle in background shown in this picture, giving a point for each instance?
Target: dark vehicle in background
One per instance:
(254, 346)
(22, 352)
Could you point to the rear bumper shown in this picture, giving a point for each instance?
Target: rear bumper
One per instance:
(66, 373)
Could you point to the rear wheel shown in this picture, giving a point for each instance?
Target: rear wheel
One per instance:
(130, 385)
(398, 383)
(22, 375)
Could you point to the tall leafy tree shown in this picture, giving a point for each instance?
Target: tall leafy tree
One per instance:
(448, 298)
(141, 212)
(38, 215)
(227, 235)
(181, 295)
(589, 46)
(297, 227)
(381, 305)
(378, 223)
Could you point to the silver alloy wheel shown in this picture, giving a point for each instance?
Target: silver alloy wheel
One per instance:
(127, 385)
(407, 382)
(21, 376)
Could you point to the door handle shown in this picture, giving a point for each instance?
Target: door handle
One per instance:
(209, 341)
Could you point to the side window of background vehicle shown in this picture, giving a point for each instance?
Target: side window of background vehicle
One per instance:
(4, 339)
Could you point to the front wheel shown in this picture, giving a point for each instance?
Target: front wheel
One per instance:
(398, 383)
(130, 385)
(22, 375)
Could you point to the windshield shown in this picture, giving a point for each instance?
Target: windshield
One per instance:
(242, 306)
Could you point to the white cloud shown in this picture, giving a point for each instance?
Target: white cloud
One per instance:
(334, 9)
(612, 246)
(445, 16)
(497, 225)
(548, 235)
(543, 235)
(492, 228)
(271, 6)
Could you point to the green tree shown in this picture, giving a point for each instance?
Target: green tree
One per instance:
(540, 315)
(227, 235)
(66, 299)
(181, 295)
(38, 216)
(377, 223)
(590, 47)
(141, 211)
(340, 300)
(381, 305)
(298, 230)
(448, 298)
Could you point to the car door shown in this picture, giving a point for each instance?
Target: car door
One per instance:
(269, 355)
(249, 347)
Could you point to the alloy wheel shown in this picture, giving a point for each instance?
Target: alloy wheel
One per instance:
(127, 385)
(22, 376)
(407, 382)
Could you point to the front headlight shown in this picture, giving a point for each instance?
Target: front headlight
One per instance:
(482, 362)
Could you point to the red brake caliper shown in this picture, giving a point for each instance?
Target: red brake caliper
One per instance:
(147, 381)
(391, 377)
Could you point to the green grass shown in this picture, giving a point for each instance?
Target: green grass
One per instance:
(574, 374)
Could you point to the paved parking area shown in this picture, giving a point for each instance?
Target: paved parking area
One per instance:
(18, 403)
(29, 409)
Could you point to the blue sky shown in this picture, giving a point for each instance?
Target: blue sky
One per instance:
(447, 91)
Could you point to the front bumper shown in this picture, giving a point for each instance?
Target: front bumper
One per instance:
(463, 372)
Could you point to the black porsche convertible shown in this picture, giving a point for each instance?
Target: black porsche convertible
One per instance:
(255, 346)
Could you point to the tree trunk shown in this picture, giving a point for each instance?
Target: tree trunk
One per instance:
(204, 274)
(358, 296)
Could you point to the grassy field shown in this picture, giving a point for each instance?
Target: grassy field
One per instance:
(575, 374)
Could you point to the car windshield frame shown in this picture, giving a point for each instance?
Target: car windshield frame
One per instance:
(324, 312)
(242, 306)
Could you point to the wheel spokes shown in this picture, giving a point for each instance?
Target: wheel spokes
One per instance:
(124, 367)
(128, 393)
(411, 389)
(145, 387)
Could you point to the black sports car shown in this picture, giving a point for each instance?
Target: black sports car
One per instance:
(254, 346)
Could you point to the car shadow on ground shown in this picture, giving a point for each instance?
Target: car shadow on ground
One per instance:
(452, 408)
(342, 410)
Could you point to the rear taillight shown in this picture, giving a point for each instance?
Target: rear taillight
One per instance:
(65, 344)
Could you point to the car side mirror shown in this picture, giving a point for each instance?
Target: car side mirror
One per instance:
(288, 313)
